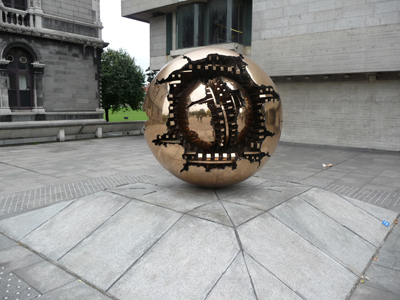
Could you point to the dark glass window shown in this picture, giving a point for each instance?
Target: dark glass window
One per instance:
(18, 4)
(20, 78)
(226, 21)
(237, 22)
(190, 25)
(218, 21)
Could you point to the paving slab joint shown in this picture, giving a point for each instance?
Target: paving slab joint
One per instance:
(55, 263)
(362, 275)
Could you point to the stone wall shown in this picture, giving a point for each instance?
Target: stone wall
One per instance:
(351, 114)
(133, 6)
(326, 36)
(158, 42)
(71, 73)
(70, 77)
(330, 37)
(80, 10)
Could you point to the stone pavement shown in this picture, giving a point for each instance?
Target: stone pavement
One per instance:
(120, 227)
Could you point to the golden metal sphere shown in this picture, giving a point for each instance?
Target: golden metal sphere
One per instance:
(215, 117)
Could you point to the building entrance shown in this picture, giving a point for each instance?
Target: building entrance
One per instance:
(20, 79)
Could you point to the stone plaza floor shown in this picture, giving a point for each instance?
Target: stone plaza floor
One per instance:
(100, 219)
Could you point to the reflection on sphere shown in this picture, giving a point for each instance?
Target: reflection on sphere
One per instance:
(215, 117)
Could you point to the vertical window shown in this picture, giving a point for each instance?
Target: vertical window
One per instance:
(237, 22)
(17, 4)
(215, 22)
(218, 21)
(190, 25)
(20, 78)
(226, 21)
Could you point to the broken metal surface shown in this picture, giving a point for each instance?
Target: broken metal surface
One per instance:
(215, 117)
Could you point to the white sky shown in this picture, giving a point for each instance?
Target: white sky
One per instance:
(130, 35)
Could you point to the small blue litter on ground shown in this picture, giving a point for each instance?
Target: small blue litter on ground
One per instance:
(386, 223)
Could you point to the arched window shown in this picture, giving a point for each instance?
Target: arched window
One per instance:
(17, 4)
(20, 78)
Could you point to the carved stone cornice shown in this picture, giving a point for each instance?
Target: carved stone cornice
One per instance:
(54, 35)
(3, 64)
(38, 68)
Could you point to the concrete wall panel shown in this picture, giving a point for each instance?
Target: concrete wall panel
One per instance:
(367, 49)
(349, 114)
(158, 44)
(326, 36)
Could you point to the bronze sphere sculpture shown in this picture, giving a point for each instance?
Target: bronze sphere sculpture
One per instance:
(215, 117)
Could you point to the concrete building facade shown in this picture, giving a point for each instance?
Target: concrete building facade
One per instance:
(50, 53)
(336, 63)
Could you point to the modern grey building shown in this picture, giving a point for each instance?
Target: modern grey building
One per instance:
(336, 63)
(50, 54)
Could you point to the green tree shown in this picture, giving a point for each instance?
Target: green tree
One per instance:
(202, 112)
(122, 82)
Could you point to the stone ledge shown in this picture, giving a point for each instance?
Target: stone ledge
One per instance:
(46, 131)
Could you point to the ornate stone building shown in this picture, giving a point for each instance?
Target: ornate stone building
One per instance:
(50, 60)
(336, 63)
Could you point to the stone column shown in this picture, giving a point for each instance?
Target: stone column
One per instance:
(38, 70)
(97, 21)
(4, 105)
(37, 9)
(1, 12)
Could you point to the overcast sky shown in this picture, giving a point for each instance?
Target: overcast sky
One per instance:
(128, 34)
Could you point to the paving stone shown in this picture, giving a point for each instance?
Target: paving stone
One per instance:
(5, 242)
(393, 240)
(198, 190)
(45, 276)
(383, 278)
(184, 264)
(293, 190)
(13, 287)
(73, 291)
(17, 257)
(267, 285)
(235, 284)
(57, 236)
(363, 292)
(231, 190)
(294, 261)
(331, 237)
(348, 215)
(371, 169)
(388, 258)
(302, 173)
(278, 184)
(19, 226)
(117, 244)
(136, 190)
(331, 174)
(389, 254)
(213, 211)
(260, 198)
(177, 199)
(386, 181)
(254, 181)
(166, 181)
(391, 173)
(351, 179)
(380, 213)
(240, 213)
